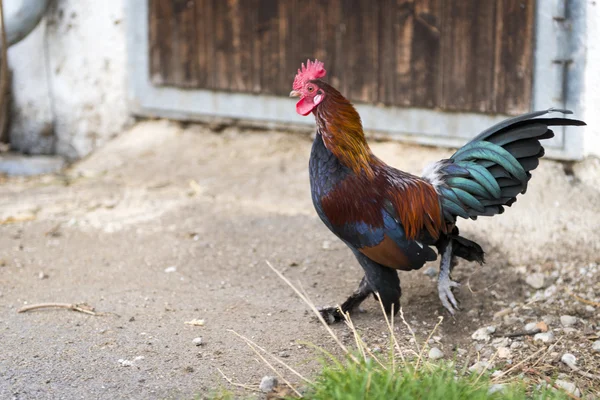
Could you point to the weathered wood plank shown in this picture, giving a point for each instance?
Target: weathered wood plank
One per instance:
(468, 55)
(267, 62)
(184, 63)
(360, 50)
(205, 44)
(426, 63)
(160, 40)
(514, 55)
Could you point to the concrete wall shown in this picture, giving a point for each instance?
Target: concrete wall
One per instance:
(591, 93)
(69, 83)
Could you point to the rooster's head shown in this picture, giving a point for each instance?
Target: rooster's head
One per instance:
(306, 86)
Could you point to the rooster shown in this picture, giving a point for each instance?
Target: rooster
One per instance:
(392, 220)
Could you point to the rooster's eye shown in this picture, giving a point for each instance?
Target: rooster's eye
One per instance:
(310, 88)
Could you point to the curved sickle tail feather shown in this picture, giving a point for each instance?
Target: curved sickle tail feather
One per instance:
(487, 174)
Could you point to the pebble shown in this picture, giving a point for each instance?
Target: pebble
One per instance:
(483, 334)
(170, 269)
(268, 383)
(568, 359)
(531, 326)
(435, 353)
(510, 320)
(503, 313)
(503, 352)
(568, 386)
(197, 341)
(431, 272)
(568, 320)
(125, 363)
(536, 280)
(479, 366)
(516, 345)
(498, 387)
(596, 346)
(546, 337)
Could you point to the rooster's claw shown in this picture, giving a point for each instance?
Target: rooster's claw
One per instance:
(331, 315)
(445, 286)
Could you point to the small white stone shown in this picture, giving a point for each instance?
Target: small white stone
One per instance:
(546, 337)
(325, 246)
(435, 353)
(197, 341)
(536, 280)
(532, 326)
(596, 346)
(568, 386)
(568, 320)
(483, 334)
(125, 363)
(516, 345)
(479, 366)
(568, 359)
(170, 269)
(498, 387)
(503, 352)
(268, 383)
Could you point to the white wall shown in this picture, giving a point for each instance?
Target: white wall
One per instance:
(69, 76)
(591, 94)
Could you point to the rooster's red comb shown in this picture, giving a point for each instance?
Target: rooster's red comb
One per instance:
(312, 70)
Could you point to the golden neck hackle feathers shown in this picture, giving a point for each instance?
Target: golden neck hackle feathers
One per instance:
(342, 132)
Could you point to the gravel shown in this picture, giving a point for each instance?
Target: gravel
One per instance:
(480, 366)
(568, 386)
(536, 280)
(569, 359)
(498, 387)
(596, 346)
(197, 341)
(268, 383)
(483, 334)
(435, 353)
(546, 337)
(568, 320)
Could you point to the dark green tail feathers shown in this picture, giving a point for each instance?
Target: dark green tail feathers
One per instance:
(494, 167)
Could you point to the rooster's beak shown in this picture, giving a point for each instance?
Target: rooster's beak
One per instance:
(294, 93)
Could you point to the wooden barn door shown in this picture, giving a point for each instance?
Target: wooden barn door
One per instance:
(452, 55)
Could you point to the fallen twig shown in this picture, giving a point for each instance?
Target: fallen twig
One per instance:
(586, 301)
(79, 307)
(247, 387)
(519, 334)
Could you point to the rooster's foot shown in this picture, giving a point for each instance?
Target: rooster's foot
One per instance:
(331, 315)
(445, 285)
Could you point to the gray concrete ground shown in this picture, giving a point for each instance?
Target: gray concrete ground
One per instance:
(167, 224)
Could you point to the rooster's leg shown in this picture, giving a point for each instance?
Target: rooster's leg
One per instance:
(333, 314)
(445, 283)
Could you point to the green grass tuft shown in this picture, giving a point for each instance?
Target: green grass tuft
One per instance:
(370, 381)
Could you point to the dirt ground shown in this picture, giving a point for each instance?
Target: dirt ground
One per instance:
(171, 223)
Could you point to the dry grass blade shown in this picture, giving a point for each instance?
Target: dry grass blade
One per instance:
(549, 381)
(393, 336)
(412, 333)
(489, 364)
(250, 341)
(279, 374)
(427, 341)
(518, 365)
(247, 387)
(81, 307)
(313, 308)
(360, 344)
